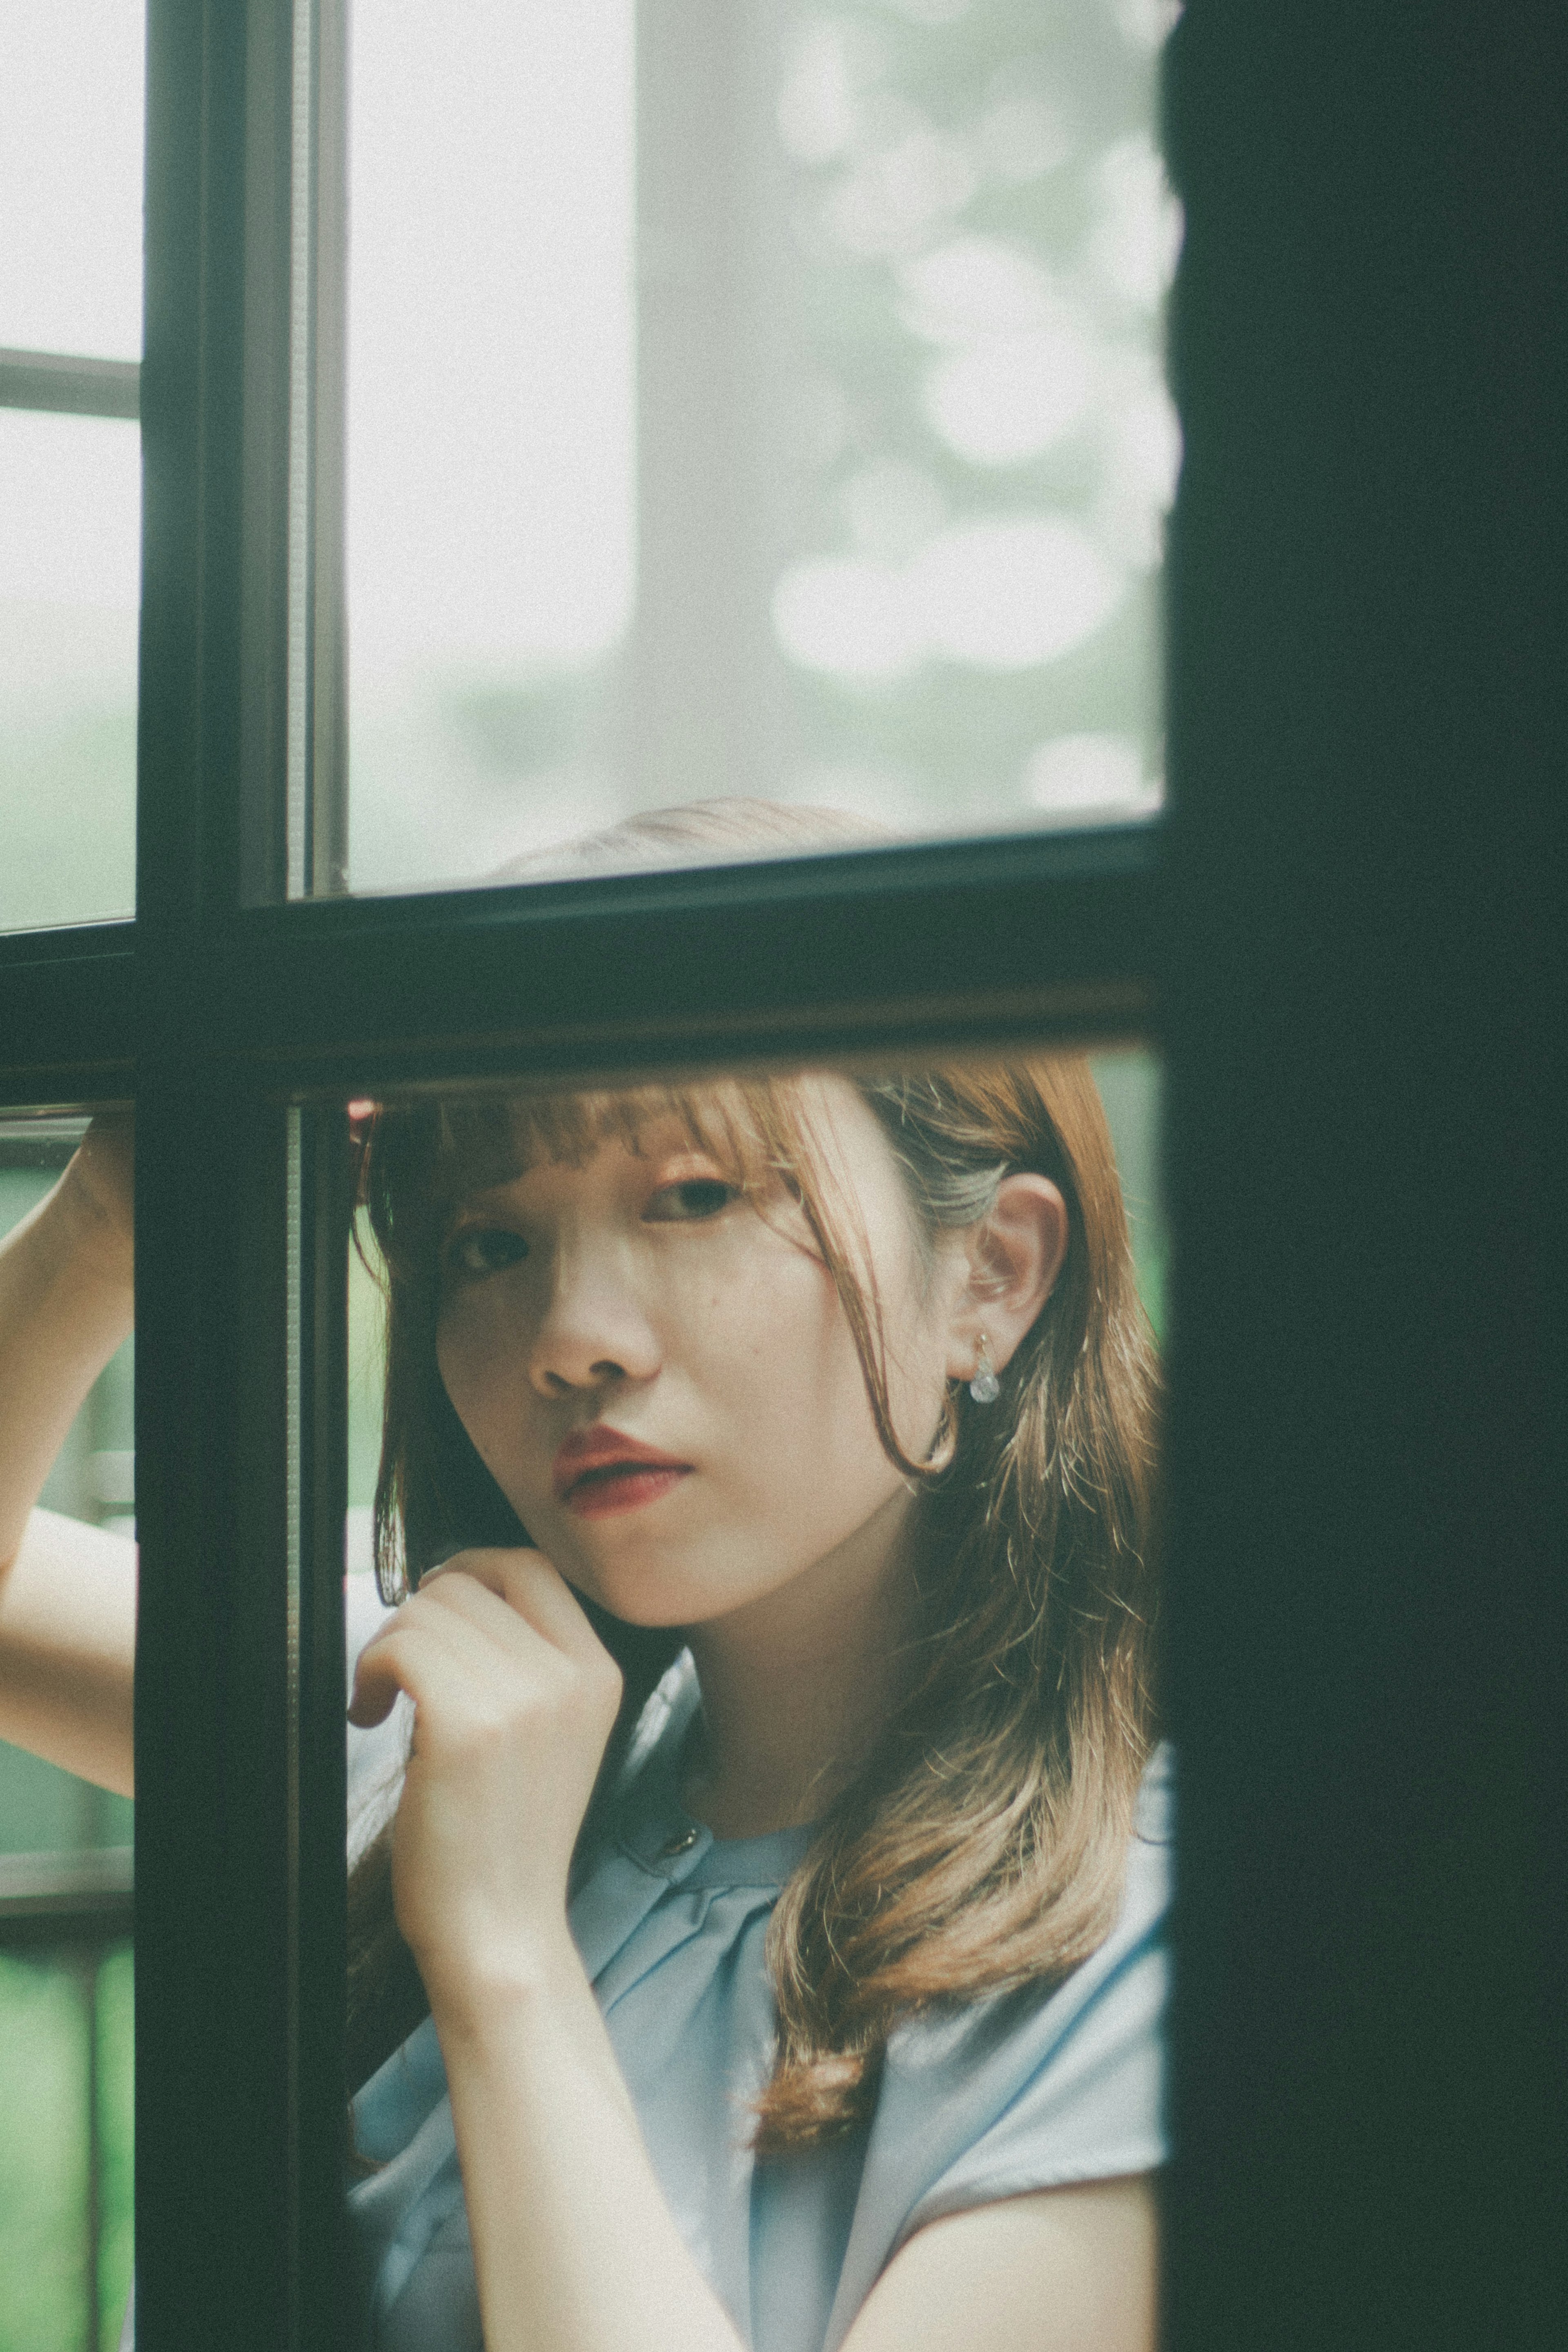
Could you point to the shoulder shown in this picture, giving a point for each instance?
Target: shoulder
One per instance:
(1037, 2089)
(1058, 2271)
(992, 2054)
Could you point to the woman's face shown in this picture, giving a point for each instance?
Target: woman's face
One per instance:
(662, 1381)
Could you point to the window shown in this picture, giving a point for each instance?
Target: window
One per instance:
(821, 456)
(70, 339)
(71, 343)
(1344, 938)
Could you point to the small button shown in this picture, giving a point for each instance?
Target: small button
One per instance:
(682, 1842)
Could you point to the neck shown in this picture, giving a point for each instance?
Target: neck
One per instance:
(797, 1685)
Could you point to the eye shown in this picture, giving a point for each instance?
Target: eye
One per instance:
(683, 1204)
(480, 1250)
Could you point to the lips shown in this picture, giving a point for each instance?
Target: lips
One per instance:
(598, 1470)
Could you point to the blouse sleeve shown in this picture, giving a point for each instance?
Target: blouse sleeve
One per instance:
(1076, 2093)
(1090, 2108)
(1019, 2094)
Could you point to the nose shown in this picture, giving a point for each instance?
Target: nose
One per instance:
(596, 1330)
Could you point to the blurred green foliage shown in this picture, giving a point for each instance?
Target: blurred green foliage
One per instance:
(44, 2151)
(963, 213)
(1025, 104)
(1130, 1087)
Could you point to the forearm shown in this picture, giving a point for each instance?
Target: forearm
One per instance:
(66, 1304)
(68, 1649)
(574, 2247)
(68, 1593)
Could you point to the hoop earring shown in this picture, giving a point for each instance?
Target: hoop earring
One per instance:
(985, 1388)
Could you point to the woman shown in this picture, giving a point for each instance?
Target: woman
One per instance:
(816, 2002)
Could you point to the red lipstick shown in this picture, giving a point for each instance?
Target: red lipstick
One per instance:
(598, 1473)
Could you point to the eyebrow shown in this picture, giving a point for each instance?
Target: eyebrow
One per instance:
(477, 1195)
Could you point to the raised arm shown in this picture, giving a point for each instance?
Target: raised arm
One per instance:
(67, 1592)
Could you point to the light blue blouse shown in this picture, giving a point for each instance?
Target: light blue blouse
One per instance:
(1012, 2094)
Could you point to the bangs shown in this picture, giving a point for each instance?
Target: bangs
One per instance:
(424, 1158)
(569, 1128)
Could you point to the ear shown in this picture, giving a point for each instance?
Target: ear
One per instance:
(1015, 1255)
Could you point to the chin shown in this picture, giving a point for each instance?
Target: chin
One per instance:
(650, 1602)
(646, 1609)
(646, 1599)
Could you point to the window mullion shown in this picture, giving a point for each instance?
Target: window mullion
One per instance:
(66, 1005)
(890, 951)
(213, 1907)
(322, 1203)
(220, 1699)
(68, 384)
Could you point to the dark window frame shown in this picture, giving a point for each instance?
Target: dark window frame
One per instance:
(70, 387)
(1352, 975)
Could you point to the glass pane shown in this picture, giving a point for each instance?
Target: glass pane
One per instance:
(491, 513)
(901, 1666)
(758, 402)
(70, 509)
(65, 1997)
(71, 108)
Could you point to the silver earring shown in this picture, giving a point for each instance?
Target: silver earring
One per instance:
(985, 1388)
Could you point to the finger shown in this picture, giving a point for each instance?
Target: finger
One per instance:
(441, 1662)
(513, 1642)
(415, 1666)
(381, 1676)
(378, 1677)
(381, 1669)
(534, 1589)
(488, 1634)
(498, 1614)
